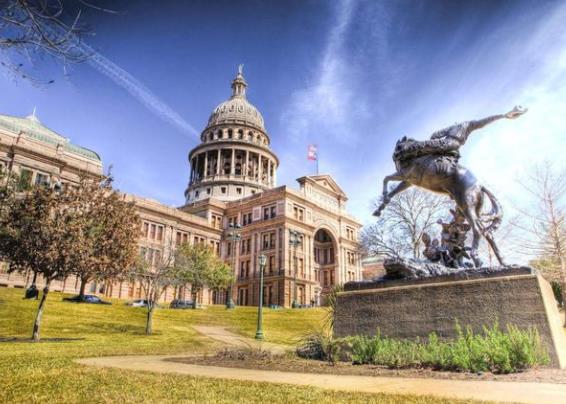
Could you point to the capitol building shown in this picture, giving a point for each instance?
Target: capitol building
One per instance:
(232, 204)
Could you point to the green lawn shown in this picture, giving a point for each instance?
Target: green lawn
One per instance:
(46, 372)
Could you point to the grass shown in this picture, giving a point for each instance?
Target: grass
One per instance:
(45, 371)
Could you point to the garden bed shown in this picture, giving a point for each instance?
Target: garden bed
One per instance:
(247, 359)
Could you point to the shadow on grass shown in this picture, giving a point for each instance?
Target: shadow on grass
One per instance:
(22, 339)
(103, 327)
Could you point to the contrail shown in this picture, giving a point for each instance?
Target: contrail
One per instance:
(137, 90)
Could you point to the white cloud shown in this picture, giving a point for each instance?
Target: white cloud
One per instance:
(328, 105)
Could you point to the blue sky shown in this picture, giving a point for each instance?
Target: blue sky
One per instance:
(351, 76)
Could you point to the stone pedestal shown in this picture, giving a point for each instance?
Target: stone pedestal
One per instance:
(407, 309)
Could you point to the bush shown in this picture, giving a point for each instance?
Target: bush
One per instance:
(557, 290)
(322, 346)
(493, 350)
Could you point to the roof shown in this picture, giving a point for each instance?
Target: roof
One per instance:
(324, 181)
(31, 127)
(237, 109)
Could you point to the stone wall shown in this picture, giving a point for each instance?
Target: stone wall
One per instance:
(417, 309)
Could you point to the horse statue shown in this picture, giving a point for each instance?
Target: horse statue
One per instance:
(433, 165)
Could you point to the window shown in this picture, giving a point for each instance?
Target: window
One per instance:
(181, 238)
(152, 231)
(196, 194)
(245, 246)
(223, 189)
(246, 219)
(268, 241)
(271, 264)
(145, 229)
(298, 213)
(229, 249)
(208, 191)
(350, 235)
(239, 190)
(216, 221)
(159, 233)
(301, 267)
(41, 179)
(269, 212)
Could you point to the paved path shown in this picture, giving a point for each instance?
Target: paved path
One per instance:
(520, 392)
(480, 390)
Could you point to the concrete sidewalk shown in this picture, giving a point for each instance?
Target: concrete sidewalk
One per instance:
(520, 392)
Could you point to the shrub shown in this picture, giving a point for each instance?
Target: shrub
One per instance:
(320, 346)
(493, 350)
(557, 290)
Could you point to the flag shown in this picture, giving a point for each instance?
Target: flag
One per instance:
(312, 152)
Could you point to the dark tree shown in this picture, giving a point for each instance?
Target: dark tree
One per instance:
(199, 266)
(110, 230)
(39, 230)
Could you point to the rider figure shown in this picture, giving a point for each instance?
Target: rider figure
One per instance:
(448, 141)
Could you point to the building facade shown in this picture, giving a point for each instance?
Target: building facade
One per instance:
(309, 239)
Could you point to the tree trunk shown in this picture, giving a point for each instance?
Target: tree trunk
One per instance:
(34, 280)
(37, 324)
(82, 289)
(194, 295)
(149, 322)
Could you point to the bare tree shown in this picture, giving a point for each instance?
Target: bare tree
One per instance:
(31, 29)
(399, 230)
(155, 275)
(543, 228)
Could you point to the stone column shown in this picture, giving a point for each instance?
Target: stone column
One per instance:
(274, 174)
(247, 163)
(232, 165)
(205, 164)
(269, 172)
(218, 161)
(259, 167)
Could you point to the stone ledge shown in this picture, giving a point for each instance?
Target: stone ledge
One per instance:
(480, 273)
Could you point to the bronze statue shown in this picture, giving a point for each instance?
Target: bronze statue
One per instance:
(433, 165)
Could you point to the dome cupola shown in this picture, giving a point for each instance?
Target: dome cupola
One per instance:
(234, 159)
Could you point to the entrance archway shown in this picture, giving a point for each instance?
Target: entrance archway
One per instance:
(325, 260)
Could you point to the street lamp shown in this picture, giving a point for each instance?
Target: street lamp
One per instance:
(259, 332)
(234, 236)
(294, 240)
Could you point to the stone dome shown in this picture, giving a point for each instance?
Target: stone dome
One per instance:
(237, 109)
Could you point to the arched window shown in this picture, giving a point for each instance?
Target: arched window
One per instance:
(230, 133)
(240, 134)
(210, 136)
(219, 134)
(250, 136)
